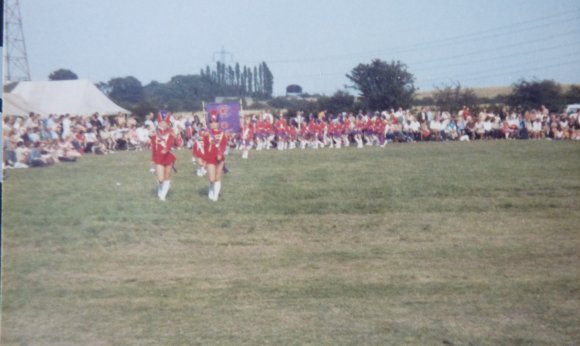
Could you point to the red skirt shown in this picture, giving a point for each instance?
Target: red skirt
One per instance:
(212, 158)
(198, 152)
(164, 159)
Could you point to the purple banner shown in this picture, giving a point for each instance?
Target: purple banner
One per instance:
(228, 116)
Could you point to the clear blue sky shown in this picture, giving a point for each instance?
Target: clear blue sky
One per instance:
(313, 43)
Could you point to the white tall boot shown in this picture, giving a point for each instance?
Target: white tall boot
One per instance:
(216, 190)
(210, 194)
(164, 189)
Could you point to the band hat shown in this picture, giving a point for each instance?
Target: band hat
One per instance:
(163, 116)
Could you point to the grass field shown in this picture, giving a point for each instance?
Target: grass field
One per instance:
(416, 244)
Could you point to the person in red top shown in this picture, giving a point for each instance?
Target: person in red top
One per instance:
(320, 130)
(198, 153)
(214, 145)
(359, 127)
(281, 132)
(336, 132)
(380, 127)
(246, 136)
(260, 134)
(161, 143)
(292, 134)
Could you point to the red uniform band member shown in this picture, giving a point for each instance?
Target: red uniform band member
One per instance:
(198, 152)
(214, 144)
(161, 143)
(246, 136)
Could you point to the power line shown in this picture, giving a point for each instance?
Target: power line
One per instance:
(511, 46)
(509, 74)
(499, 57)
(485, 73)
(489, 33)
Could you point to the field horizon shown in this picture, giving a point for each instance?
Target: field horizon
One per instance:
(414, 244)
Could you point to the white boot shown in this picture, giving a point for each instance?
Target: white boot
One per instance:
(245, 154)
(164, 189)
(216, 190)
(210, 194)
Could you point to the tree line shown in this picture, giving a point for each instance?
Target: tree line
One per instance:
(256, 82)
(380, 85)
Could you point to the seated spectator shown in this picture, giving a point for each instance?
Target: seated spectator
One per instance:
(21, 154)
(536, 131)
(99, 148)
(106, 138)
(78, 141)
(90, 140)
(505, 130)
(451, 130)
(39, 157)
(66, 151)
(415, 129)
(120, 137)
(479, 129)
(487, 128)
(425, 132)
(558, 132)
(435, 128)
(575, 135)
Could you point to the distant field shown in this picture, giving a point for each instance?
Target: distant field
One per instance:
(416, 244)
(480, 92)
(489, 92)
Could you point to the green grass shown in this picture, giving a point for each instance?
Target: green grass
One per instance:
(418, 244)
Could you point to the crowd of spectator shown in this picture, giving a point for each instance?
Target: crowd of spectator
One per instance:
(35, 141)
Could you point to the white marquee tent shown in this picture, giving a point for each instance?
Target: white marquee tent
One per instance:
(74, 97)
(13, 104)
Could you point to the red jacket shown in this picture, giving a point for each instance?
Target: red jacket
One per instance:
(214, 146)
(161, 144)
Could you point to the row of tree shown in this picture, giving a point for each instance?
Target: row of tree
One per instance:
(185, 92)
(381, 85)
(525, 95)
(235, 81)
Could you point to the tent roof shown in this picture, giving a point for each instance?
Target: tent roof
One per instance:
(74, 97)
(13, 104)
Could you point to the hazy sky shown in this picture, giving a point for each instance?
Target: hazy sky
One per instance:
(313, 43)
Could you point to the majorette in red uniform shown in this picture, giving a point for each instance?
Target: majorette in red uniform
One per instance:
(347, 130)
(214, 145)
(380, 127)
(292, 135)
(246, 135)
(162, 140)
(336, 132)
(359, 128)
(198, 152)
(261, 134)
(281, 132)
